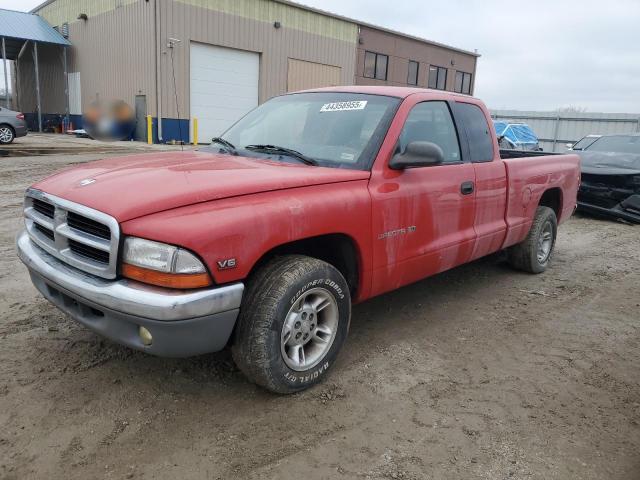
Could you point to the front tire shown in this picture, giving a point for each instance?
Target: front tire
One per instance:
(293, 322)
(534, 252)
(7, 135)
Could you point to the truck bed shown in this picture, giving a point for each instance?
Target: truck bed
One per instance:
(505, 154)
(529, 176)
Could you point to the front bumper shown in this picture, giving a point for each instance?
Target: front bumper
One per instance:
(610, 201)
(182, 323)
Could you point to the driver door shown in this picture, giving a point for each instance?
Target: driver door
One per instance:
(423, 218)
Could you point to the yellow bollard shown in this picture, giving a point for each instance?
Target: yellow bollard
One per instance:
(195, 131)
(149, 130)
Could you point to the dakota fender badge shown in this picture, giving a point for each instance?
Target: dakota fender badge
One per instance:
(86, 181)
(396, 233)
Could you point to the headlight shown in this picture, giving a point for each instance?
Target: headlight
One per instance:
(162, 264)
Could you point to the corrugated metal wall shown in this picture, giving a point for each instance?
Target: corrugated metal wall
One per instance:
(115, 48)
(555, 129)
(289, 16)
(304, 75)
(62, 11)
(113, 51)
(205, 25)
(51, 80)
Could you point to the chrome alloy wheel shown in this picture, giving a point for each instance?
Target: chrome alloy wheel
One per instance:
(545, 242)
(6, 135)
(309, 329)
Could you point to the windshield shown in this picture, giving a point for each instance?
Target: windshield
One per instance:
(341, 130)
(584, 143)
(616, 143)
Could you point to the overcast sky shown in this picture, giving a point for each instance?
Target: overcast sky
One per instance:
(536, 55)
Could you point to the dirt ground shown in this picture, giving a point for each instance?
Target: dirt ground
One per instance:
(481, 372)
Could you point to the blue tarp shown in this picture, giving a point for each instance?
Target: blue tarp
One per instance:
(520, 134)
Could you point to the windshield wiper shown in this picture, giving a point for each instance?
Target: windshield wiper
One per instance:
(230, 147)
(285, 151)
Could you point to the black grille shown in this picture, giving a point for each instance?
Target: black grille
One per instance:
(87, 225)
(89, 252)
(43, 208)
(45, 231)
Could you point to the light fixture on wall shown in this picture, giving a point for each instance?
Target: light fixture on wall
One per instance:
(277, 25)
(83, 16)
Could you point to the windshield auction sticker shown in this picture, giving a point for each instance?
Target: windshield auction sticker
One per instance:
(343, 106)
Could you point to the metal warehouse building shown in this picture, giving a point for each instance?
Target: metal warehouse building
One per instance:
(227, 56)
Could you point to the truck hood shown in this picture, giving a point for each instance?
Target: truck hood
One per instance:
(609, 163)
(138, 185)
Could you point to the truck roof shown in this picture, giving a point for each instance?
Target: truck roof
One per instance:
(400, 92)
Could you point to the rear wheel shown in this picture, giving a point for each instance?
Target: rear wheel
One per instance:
(293, 321)
(6, 134)
(533, 254)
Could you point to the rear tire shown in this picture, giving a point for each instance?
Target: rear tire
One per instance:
(293, 321)
(7, 135)
(534, 253)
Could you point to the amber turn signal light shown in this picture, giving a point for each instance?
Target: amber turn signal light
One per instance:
(169, 280)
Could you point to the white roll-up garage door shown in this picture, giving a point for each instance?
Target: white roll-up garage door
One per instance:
(224, 87)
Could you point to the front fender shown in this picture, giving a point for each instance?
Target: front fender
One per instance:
(244, 228)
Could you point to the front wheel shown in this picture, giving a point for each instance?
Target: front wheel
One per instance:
(534, 252)
(293, 321)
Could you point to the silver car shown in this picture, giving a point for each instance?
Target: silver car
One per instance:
(12, 125)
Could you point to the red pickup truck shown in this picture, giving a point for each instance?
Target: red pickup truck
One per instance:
(263, 240)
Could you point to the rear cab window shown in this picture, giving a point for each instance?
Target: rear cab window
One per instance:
(477, 131)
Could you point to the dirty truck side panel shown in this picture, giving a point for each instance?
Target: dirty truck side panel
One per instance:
(529, 178)
(491, 200)
(491, 182)
(247, 227)
(421, 224)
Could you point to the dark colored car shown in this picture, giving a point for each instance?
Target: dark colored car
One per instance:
(611, 177)
(12, 125)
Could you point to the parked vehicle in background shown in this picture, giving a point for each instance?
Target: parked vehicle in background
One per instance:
(610, 185)
(583, 143)
(516, 136)
(312, 201)
(12, 125)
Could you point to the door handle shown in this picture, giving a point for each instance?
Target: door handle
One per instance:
(466, 188)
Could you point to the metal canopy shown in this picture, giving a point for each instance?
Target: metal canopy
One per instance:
(18, 27)
(16, 30)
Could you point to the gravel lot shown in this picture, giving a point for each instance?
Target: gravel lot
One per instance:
(481, 372)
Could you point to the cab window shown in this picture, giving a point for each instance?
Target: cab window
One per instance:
(432, 122)
(478, 132)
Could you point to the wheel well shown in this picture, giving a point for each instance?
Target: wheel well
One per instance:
(552, 198)
(337, 249)
(8, 125)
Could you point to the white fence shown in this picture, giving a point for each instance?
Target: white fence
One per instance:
(555, 129)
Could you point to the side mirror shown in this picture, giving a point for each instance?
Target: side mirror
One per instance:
(417, 154)
(569, 146)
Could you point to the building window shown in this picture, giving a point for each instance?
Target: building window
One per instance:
(412, 75)
(463, 83)
(375, 65)
(437, 77)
